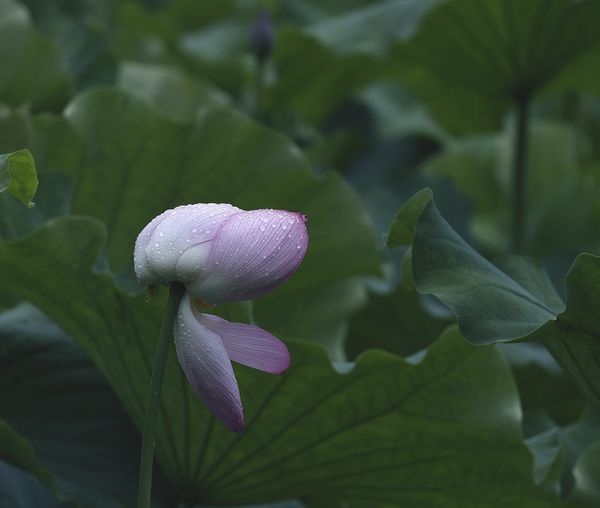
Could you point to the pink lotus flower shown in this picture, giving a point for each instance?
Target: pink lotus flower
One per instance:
(221, 254)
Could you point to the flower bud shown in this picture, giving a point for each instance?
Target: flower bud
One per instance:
(220, 252)
(262, 36)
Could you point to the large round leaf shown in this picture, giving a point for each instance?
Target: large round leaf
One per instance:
(52, 394)
(470, 58)
(438, 433)
(138, 163)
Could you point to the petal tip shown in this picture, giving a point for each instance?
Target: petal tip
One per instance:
(237, 425)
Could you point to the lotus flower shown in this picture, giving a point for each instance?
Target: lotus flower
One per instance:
(221, 254)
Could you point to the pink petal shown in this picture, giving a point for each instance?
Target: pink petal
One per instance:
(250, 345)
(206, 364)
(178, 230)
(251, 254)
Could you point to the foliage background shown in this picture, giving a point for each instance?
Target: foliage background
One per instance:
(131, 107)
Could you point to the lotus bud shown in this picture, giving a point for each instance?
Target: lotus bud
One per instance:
(262, 36)
(220, 252)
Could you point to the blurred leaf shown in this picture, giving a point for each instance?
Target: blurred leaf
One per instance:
(138, 163)
(20, 489)
(397, 322)
(371, 28)
(91, 59)
(470, 59)
(53, 395)
(543, 385)
(18, 176)
(33, 70)
(332, 43)
(575, 439)
(548, 459)
(219, 53)
(398, 113)
(173, 93)
(438, 433)
(481, 168)
(587, 478)
(138, 23)
(581, 75)
(16, 450)
(333, 78)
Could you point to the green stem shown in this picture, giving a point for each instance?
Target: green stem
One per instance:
(519, 171)
(259, 86)
(176, 292)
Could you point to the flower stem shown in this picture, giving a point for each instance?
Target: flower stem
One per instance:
(176, 292)
(259, 86)
(519, 171)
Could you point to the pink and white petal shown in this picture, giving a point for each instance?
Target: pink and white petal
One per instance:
(184, 227)
(140, 263)
(250, 345)
(251, 254)
(207, 366)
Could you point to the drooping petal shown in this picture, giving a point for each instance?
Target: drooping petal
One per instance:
(252, 253)
(206, 364)
(176, 246)
(250, 345)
